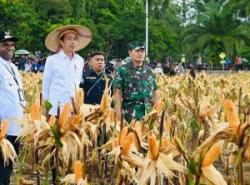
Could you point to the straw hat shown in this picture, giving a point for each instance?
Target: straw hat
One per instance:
(53, 38)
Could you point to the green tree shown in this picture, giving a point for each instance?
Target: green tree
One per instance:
(218, 30)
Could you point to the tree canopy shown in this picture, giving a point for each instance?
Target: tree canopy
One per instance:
(189, 27)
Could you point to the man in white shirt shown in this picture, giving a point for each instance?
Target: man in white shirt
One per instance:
(11, 98)
(63, 70)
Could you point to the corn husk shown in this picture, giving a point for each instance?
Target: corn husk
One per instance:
(8, 151)
(159, 106)
(164, 165)
(52, 120)
(212, 176)
(168, 124)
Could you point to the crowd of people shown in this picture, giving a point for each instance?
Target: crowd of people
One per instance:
(30, 63)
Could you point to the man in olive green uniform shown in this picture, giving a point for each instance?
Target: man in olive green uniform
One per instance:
(134, 85)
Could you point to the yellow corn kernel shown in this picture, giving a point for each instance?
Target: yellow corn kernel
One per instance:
(246, 152)
(153, 147)
(212, 154)
(78, 170)
(35, 111)
(79, 98)
(231, 114)
(129, 141)
(64, 116)
(168, 124)
(159, 106)
(4, 128)
(123, 135)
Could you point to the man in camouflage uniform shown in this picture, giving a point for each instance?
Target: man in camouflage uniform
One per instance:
(134, 85)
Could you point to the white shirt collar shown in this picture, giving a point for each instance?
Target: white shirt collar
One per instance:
(5, 62)
(64, 56)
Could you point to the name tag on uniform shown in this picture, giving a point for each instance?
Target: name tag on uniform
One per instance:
(91, 77)
(20, 94)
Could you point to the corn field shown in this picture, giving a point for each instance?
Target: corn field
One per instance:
(197, 134)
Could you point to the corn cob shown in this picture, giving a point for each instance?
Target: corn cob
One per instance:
(159, 106)
(212, 154)
(168, 124)
(35, 111)
(123, 135)
(79, 99)
(231, 114)
(129, 141)
(4, 127)
(153, 147)
(64, 116)
(78, 170)
(246, 152)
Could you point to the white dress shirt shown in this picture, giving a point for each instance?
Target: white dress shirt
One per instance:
(11, 96)
(61, 79)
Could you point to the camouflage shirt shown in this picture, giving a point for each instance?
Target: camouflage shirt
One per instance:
(137, 85)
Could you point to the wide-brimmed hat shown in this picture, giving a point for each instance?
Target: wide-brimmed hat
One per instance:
(53, 38)
(6, 36)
